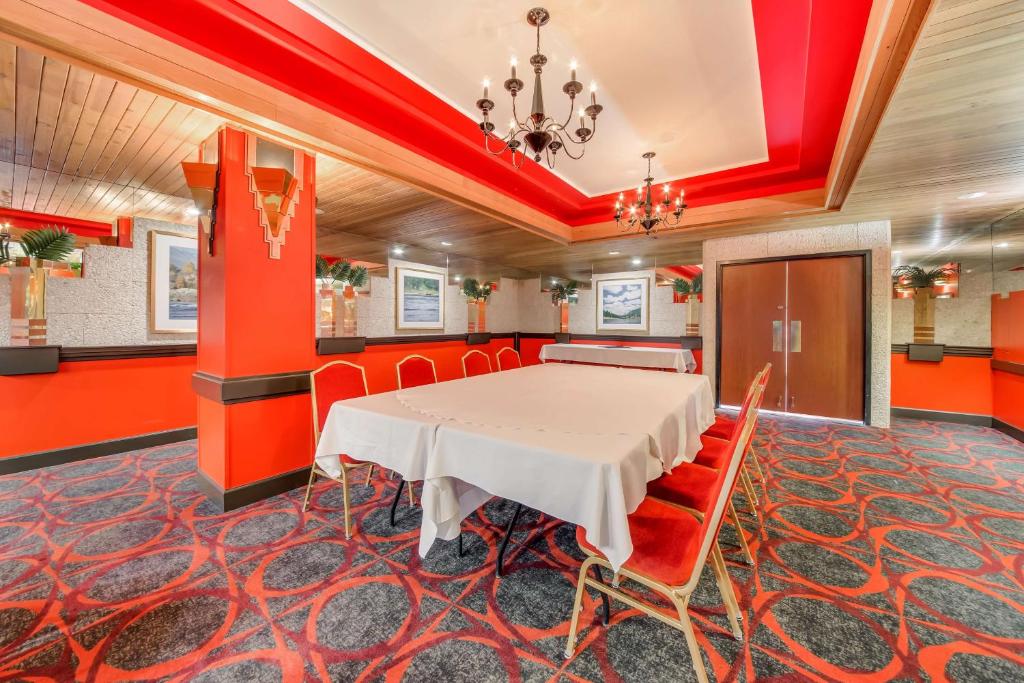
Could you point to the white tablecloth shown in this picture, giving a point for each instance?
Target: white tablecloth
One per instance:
(680, 360)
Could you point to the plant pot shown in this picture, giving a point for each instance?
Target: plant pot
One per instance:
(924, 315)
(693, 316)
(327, 310)
(563, 317)
(477, 314)
(28, 301)
(345, 312)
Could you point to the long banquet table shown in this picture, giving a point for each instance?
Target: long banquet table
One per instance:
(680, 360)
(577, 442)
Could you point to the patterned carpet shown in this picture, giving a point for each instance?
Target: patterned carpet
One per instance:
(884, 555)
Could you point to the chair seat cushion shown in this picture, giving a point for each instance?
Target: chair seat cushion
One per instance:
(714, 453)
(665, 542)
(723, 427)
(688, 485)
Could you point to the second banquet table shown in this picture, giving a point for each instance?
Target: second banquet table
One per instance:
(576, 442)
(655, 357)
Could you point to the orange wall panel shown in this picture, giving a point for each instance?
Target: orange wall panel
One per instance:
(1008, 327)
(954, 385)
(90, 401)
(1008, 398)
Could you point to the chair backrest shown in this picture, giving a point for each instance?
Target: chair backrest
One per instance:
(723, 487)
(475, 363)
(508, 359)
(335, 381)
(415, 371)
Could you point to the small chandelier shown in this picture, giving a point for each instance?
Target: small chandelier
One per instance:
(647, 213)
(542, 135)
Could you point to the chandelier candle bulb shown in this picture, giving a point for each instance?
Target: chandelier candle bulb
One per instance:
(513, 65)
(487, 85)
(572, 70)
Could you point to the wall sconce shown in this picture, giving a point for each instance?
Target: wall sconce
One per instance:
(203, 182)
(275, 178)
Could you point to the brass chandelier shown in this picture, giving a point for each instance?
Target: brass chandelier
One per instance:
(541, 134)
(645, 213)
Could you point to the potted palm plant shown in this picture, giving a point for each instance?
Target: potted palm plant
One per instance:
(560, 295)
(41, 250)
(691, 293)
(476, 296)
(336, 287)
(922, 282)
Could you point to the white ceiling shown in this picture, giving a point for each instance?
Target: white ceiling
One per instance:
(677, 78)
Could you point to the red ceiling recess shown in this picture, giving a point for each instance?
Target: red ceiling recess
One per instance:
(807, 52)
(30, 220)
(687, 272)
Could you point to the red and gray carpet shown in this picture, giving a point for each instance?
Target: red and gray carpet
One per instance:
(884, 555)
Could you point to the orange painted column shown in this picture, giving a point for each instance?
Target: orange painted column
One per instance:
(256, 315)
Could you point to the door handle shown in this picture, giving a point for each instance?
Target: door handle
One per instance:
(795, 333)
(777, 336)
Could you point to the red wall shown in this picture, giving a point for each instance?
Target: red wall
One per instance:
(92, 401)
(954, 385)
(1008, 345)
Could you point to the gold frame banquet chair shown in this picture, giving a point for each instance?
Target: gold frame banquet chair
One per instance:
(469, 354)
(414, 357)
(515, 354)
(667, 562)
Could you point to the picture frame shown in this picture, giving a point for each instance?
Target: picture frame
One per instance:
(173, 283)
(419, 299)
(623, 304)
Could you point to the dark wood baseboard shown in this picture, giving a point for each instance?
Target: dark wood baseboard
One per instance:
(1008, 366)
(60, 456)
(232, 499)
(1008, 429)
(941, 416)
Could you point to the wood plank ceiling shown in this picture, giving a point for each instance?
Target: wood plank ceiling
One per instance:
(76, 143)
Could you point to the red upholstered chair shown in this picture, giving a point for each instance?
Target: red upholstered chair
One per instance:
(724, 425)
(670, 548)
(508, 359)
(415, 371)
(475, 363)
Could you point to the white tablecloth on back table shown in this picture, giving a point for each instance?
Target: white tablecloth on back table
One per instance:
(680, 360)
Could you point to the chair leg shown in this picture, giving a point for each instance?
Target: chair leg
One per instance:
(508, 535)
(757, 464)
(344, 499)
(394, 503)
(412, 499)
(577, 605)
(461, 551)
(740, 534)
(691, 638)
(369, 473)
(748, 488)
(725, 588)
(607, 614)
(309, 487)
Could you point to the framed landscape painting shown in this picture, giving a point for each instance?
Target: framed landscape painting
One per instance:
(173, 283)
(622, 304)
(419, 299)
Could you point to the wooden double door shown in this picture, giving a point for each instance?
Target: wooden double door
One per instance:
(807, 317)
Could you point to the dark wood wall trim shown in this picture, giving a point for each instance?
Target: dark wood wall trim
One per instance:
(1008, 366)
(232, 499)
(942, 416)
(71, 354)
(228, 390)
(60, 456)
(964, 351)
(477, 338)
(329, 346)
(1008, 429)
(29, 360)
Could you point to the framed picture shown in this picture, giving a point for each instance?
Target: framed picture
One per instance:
(419, 299)
(173, 283)
(623, 304)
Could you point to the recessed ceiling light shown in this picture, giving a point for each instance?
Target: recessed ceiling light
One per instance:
(398, 250)
(637, 261)
(446, 244)
(458, 278)
(970, 270)
(614, 253)
(192, 211)
(1003, 245)
(972, 195)
(318, 211)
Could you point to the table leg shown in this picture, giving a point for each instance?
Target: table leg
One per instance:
(508, 535)
(394, 503)
(460, 544)
(607, 614)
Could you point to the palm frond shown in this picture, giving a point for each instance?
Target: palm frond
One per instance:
(563, 292)
(48, 244)
(919, 278)
(697, 283)
(681, 285)
(323, 268)
(357, 276)
(473, 289)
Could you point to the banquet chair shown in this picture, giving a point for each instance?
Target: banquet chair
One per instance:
(475, 363)
(415, 371)
(690, 485)
(335, 381)
(508, 359)
(724, 426)
(670, 548)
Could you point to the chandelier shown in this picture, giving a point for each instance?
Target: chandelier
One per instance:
(645, 212)
(541, 134)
